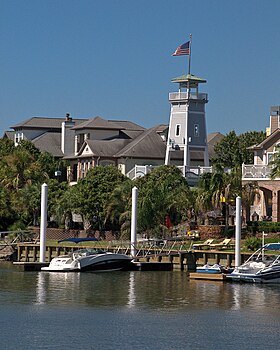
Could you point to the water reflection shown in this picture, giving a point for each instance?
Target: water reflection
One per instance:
(41, 289)
(130, 290)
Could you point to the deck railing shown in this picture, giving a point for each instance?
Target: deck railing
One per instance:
(256, 172)
(179, 96)
(191, 171)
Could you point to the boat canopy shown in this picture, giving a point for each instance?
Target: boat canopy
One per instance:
(78, 240)
(272, 246)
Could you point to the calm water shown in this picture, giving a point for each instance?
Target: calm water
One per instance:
(134, 310)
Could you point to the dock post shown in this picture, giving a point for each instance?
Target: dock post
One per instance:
(43, 225)
(133, 233)
(238, 232)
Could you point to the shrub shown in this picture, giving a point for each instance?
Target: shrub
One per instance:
(252, 243)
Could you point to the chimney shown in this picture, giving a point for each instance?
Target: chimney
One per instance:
(68, 117)
(67, 135)
(274, 118)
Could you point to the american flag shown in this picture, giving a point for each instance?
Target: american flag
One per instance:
(182, 50)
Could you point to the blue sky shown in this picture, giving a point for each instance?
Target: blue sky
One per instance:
(113, 59)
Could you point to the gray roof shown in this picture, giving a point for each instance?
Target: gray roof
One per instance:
(105, 148)
(9, 135)
(98, 123)
(188, 80)
(212, 140)
(132, 134)
(161, 128)
(44, 123)
(147, 145)
(49, 142)
(127, 125)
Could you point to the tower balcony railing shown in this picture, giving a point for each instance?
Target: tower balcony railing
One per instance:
(183, 96)
(255, 172)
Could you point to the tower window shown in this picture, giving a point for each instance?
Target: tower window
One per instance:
(196, 130)
(177, 130)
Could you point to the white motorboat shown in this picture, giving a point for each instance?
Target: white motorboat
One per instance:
(262, 267)
(89, 260)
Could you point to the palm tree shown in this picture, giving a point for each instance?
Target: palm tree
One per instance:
(217, 188)
(275, 163)
(249, 193)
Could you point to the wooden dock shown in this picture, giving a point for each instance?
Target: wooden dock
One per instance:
(207, 276)
(30, 266)
(153, 266)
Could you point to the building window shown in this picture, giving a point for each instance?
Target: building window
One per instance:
(177, 130)
(196, 130)
(270, 158)
(18, 137)
(106, 162)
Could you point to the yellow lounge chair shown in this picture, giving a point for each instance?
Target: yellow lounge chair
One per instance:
(206, 244)
(222, 245)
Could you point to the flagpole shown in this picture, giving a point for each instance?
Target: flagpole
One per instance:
(186, 149)
(189, 68)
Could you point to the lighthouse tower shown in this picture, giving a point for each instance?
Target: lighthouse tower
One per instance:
(187, 124)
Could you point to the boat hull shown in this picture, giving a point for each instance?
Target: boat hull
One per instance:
(97, 263)
(268, 277)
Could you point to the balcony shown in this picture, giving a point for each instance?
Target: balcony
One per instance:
(140, 170)
(255, 172)
(192, 173)
(183, 96)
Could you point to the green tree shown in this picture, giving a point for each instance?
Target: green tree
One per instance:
(232, 150)
(7, 213)
(248, 195)
(90, 195)
(21, 175)
(218, 190)
(6, 147)
(163, 192)
(118, 208)
(246, 140)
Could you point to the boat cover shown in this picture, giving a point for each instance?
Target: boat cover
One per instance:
(78, 240)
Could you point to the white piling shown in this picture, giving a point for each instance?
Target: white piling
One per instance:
(43, 225)
(238, 232)
(133, 233)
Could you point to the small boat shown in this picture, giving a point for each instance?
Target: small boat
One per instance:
(262, 267)
(89, 260)
(216, 268)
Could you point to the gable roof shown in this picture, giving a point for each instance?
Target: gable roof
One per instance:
(147, 145)
(269, 141)
(132, 134)
(103, 148)
(212, 140)
(9, 135)
(161, 128)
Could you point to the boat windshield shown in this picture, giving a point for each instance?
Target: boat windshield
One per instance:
(88, 251)
(270, 251)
